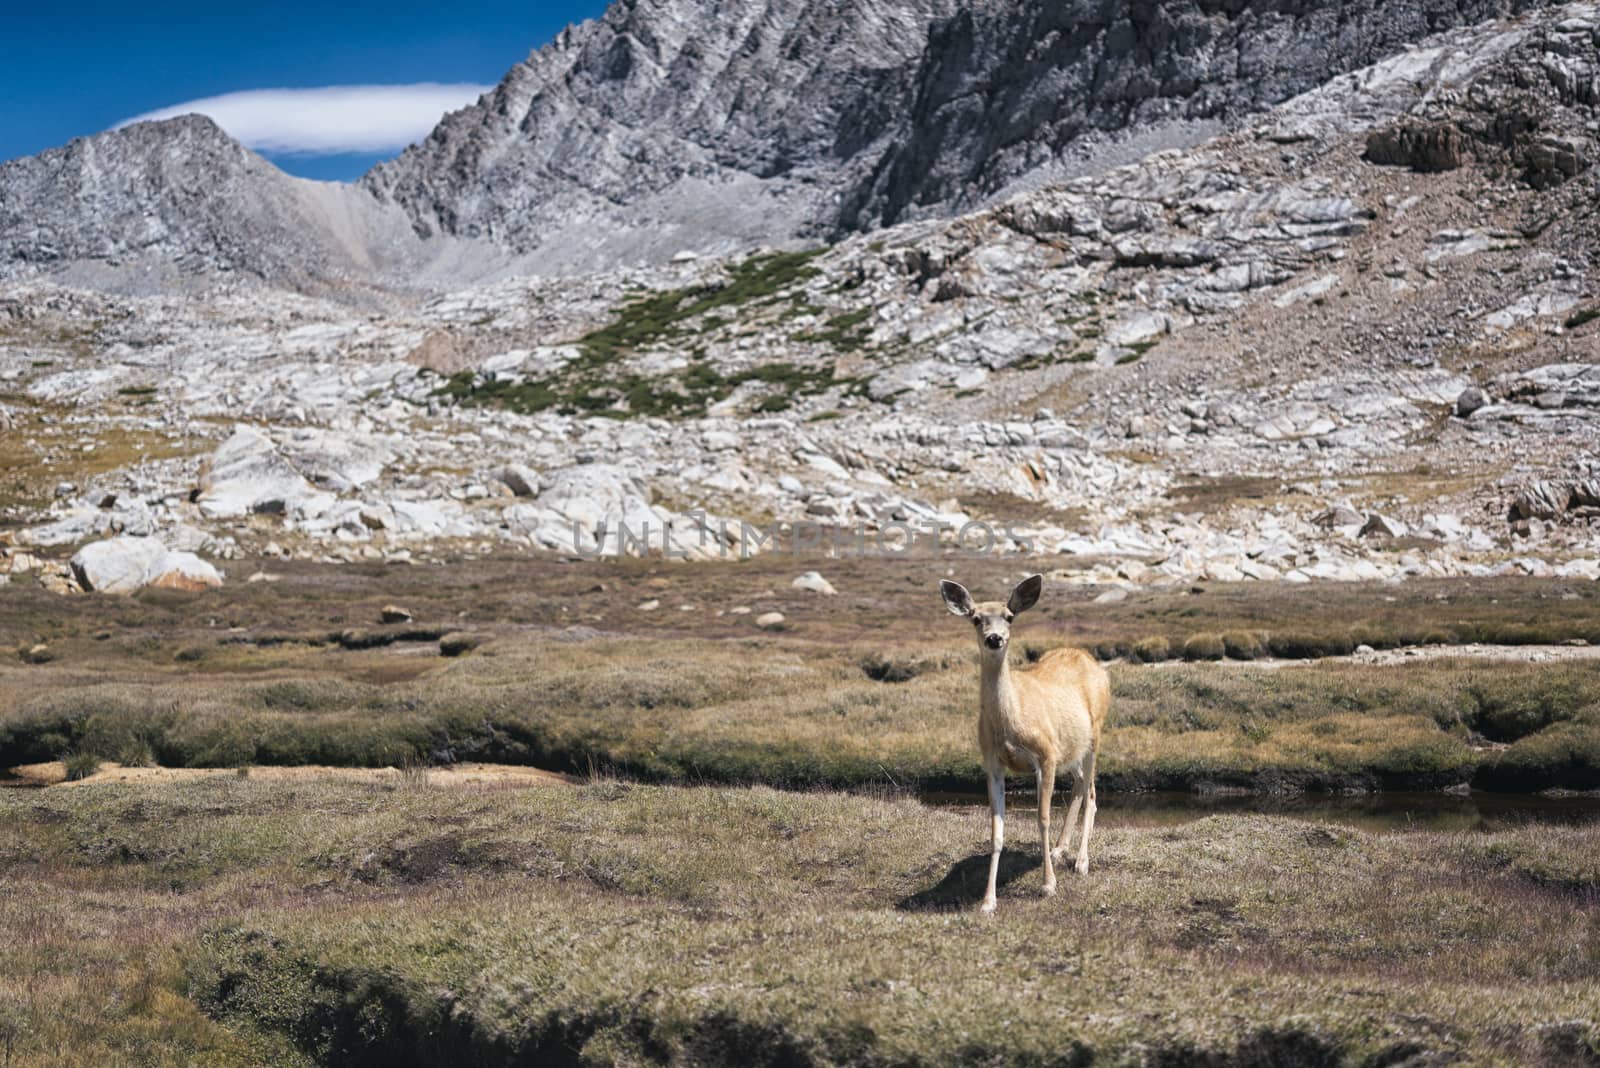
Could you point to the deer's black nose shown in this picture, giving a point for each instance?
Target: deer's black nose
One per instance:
(993, 641)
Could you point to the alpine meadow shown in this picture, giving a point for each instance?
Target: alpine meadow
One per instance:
(803, 532)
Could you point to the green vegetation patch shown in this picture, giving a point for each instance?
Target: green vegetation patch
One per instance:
(1578, 318)
(686, 396)
(844, 332)
(659, 316)
(1136, 350)
(595, 383)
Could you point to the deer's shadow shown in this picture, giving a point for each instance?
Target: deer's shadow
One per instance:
(963, 885)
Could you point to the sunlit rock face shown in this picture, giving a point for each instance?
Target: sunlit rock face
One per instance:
(690, 125)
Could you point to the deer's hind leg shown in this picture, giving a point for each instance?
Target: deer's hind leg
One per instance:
(1064, 839)
(1088, 813)
(1045, 771)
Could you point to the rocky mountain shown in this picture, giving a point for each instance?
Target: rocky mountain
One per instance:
(671, 125)
(177, 204)
(1354, 337)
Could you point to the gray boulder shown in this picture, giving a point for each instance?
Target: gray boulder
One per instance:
(1545, 499)
(1338, 517)
(814, 582)
(1425, 147)
(1383, 526)
(597, 503)
(75, 526)
(520, 479)
(184, 571)
(247, 474)
(119, 565)
(1471, 399)
(336, 461)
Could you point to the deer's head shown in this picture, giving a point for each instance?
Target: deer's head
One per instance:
(992, 619)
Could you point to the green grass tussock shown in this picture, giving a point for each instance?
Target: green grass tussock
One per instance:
(81, 765)
(1244, 645)
(1505, 708)
(1565, 756)
(1309, 646)
(1203, 647)
(1152, 650)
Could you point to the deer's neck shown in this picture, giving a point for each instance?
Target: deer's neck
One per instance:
(998, 697)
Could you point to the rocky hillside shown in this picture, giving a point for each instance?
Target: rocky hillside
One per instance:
(673, 126)
(681, 124)
(1356, 337)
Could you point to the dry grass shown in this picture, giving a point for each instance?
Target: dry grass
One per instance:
(366, 924)
(1217, 496)
(872, 687)
(1008, 508)
(888, 600)
(47, 446)
(788, 712)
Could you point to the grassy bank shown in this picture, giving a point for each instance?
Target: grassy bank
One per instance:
(795, 714)
(234, 921)
(560, 666)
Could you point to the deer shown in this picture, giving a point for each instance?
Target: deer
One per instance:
(1044, 719)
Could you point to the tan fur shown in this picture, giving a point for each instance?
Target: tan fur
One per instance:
(1043, 719)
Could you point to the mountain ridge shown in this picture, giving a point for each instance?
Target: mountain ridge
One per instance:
(693, 126)
(848, 132)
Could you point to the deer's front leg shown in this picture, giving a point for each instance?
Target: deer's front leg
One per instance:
(997, 832)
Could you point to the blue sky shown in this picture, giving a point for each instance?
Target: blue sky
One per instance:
(74, 69)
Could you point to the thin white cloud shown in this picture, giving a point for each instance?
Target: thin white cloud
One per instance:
(330, 120)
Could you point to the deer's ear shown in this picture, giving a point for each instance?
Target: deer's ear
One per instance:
(956, 597)
(1026, 595)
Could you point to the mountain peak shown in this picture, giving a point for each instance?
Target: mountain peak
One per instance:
(192, 124)
(670, 125)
